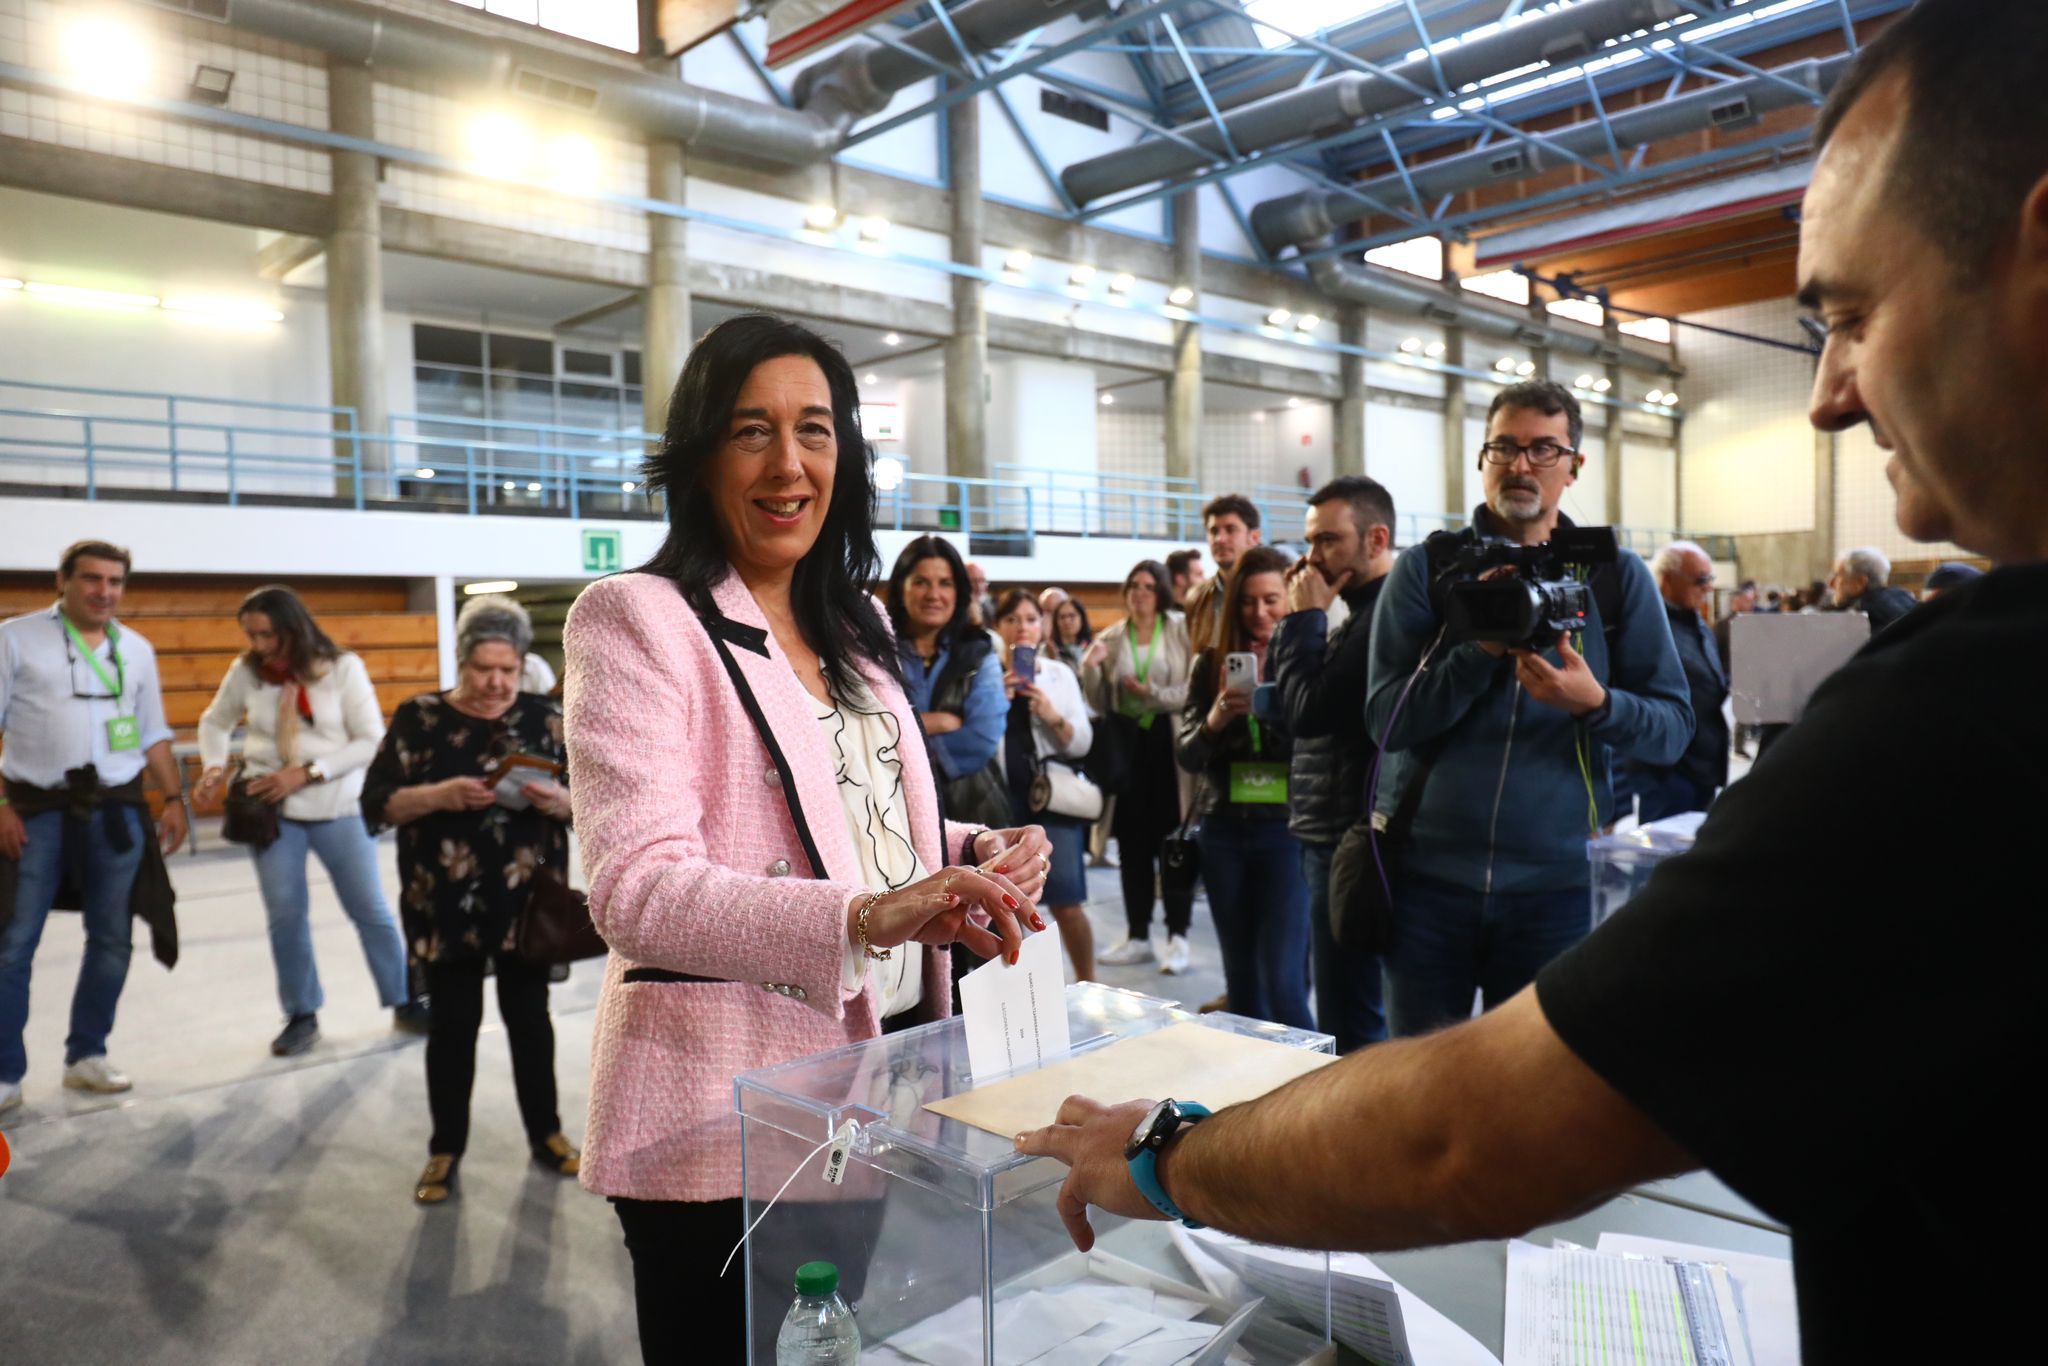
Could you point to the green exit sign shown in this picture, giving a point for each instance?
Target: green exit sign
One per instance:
(601, 550)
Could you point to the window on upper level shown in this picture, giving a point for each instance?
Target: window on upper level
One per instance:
(614, 23)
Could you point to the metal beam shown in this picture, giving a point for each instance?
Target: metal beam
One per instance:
(1023, 65)
(777, 91)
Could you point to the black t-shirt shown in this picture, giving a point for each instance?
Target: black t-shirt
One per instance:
(1830, 1000)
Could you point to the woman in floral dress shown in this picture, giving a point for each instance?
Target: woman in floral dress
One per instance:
(467, 863)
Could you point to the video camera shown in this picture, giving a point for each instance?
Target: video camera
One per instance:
(1527, 608)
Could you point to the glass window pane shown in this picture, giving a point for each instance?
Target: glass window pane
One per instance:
(524, 355)
(447, 345)
(576, 362)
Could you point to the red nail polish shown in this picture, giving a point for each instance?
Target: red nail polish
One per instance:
(1004, 869)
(1011, 901)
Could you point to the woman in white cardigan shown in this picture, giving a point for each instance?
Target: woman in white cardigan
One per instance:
(1048, 722)
(313, 727)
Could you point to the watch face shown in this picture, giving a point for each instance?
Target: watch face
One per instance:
(1160, 1118)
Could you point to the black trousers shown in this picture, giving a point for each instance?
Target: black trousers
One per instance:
(457, 992)
(690, 1314)
(1147, 811)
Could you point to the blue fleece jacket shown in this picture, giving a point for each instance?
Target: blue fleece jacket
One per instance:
(1505, 805)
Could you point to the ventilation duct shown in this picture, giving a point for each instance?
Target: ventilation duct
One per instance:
(732, 129)
(1343, 101)
(1314, 214)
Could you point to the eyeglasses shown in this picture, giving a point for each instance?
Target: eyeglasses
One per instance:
(1703, 580)
(95, 690)
(1542, 454)
(1816, 330)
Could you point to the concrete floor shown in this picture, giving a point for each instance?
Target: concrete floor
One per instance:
(236, 1207)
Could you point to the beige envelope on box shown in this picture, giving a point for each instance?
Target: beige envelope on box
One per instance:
(1184, 1061)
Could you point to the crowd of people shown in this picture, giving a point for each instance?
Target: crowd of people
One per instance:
(810, 794)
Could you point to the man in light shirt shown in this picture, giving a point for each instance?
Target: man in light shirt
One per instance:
(83, 716)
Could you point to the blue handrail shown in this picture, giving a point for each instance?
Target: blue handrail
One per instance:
(483, 464)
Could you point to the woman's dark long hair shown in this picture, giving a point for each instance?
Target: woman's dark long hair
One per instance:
(1052, 623)
(1260, 559)
(1162, 587)
(919, 550)
(827, 593)
(306, 647)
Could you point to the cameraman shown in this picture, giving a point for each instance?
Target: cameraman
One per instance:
(1512, 746)
(1320, 674)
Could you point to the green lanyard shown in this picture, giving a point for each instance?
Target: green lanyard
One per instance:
(117, 685)
(1258, 745)
(1141, 669)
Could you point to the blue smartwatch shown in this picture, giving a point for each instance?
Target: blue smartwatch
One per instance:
(1160, 1124)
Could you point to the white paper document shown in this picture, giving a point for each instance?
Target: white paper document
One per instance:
(1016, 1016)
(1569, 1306)
(1369, 1313)
(1763, 1291)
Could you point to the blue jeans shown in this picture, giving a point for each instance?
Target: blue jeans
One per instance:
(109, 877)
(350, 857)
(1253, 871)
(1450, 941)
(1347, 981)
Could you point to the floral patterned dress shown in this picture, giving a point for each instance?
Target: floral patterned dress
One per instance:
(466, 875)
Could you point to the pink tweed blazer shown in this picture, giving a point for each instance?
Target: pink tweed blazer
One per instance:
(695, 865)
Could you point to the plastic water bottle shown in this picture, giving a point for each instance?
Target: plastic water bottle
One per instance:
(819, 1329)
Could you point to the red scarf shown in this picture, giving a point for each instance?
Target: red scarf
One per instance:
(278, 672)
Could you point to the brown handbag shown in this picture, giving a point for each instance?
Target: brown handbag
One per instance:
(246, 819)
(555, 927)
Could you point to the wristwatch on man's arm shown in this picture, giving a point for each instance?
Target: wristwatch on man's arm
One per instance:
(1149, 1139)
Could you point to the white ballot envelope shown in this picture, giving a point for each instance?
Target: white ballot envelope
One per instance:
(1016, 1016)
(1780, 660)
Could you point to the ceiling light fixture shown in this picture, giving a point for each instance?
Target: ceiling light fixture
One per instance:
(533, 487)
(91, 298)
(821, 217)
(627, 486)
(1504, 364)
(1121, 282)
(1602, 385)
(500, 145)
(1081, 276)
(210, 84)
(1107, 400)
(482, 586)
(1278, 318)
(1293, 402)
(423, 473)
(1435, 348)
(1583, 382)
(1307, 322)
(1017, 262)
(871, 378)
(1410, 345)
(892, 339)
(888, 474)
(873, 230)
(107, 56)
(1181, 295)
(1526, 369)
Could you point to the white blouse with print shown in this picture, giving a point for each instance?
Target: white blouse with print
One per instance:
(866, 750)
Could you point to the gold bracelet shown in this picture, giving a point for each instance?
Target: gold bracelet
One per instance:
(860, 930)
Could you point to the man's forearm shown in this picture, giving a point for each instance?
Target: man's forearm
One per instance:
(1407, 1144)
(163, 766)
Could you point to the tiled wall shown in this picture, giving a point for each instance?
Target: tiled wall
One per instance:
(1748, 447)
(272, 80)
(1864, 504)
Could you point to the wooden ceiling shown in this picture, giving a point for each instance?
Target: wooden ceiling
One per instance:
(1738, 259)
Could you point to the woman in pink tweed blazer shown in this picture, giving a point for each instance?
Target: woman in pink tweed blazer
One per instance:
(723, 867)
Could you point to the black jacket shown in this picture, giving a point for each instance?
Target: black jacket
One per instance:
(1211, 756)
(1322, 678)
(1882, 605)
(1705, 761)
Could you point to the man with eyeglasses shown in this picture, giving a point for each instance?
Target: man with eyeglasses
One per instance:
(1504, 756)
(83, 716)
(1685, 577)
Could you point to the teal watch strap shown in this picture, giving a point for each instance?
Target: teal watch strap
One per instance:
(1145, 1170)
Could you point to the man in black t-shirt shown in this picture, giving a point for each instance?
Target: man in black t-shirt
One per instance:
(1844, 1031)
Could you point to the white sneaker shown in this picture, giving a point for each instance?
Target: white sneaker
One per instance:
(10, 1095)
(1129, 952)
(96, 1074)
(1176, 959)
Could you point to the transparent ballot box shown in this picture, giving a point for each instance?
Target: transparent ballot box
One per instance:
(947, 1240)
(1622, 863)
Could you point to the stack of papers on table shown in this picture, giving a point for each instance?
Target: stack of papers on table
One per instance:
(1081, 1323)
(1569, 1305)
(1370, 1312)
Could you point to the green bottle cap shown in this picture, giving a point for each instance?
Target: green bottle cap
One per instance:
(817, 1279)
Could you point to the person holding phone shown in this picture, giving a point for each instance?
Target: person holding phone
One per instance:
(311, 726)
(1048, 722)
(469, 862)
(1251, 862)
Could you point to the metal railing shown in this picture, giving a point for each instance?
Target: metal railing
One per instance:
(128, 443)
